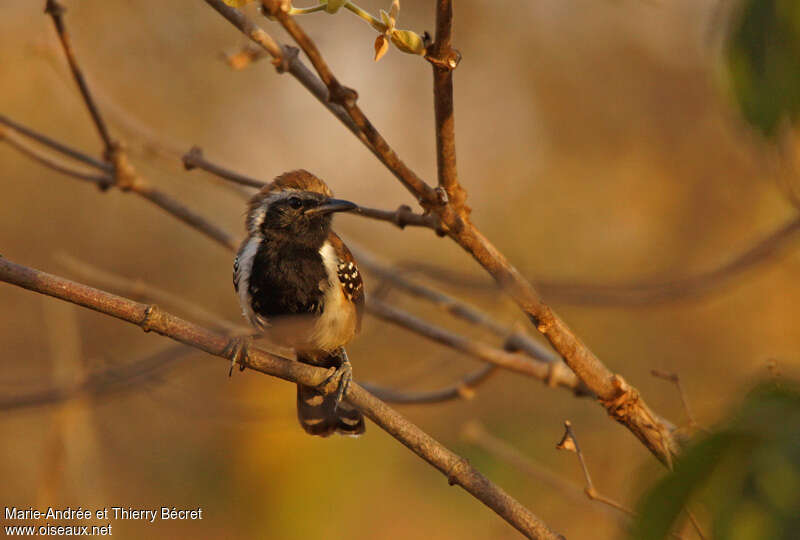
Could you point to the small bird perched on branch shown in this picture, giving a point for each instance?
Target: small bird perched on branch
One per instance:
(299, 284)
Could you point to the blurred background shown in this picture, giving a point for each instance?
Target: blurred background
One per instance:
(600, 144)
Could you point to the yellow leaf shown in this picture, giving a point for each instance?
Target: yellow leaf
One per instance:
(381, 46)
(386, 19)
(237, 3)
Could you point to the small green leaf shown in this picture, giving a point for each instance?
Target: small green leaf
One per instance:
(762, 59)
(745, 475)
(408, 41)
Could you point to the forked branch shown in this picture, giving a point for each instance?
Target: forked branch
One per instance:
(621, 400)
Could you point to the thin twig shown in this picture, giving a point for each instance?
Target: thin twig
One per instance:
(476, 433)
(676, 380)
(151, 318)
(106, 382)
(644, 294)
(552, 373)
(51, 161)
(55, 145)
(517, 340)
(693, 287)
(56, 12)
(128, 180)
(402, 217)
(194, 159)
(463, 389)
(143, 291)
(570, 442)
(185, 214)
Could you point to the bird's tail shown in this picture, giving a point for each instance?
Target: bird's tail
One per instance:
(318, 413)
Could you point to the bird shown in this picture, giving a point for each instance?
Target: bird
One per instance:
(299, 285)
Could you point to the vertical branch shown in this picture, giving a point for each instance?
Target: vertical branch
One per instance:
(56, 11)
(444, 60)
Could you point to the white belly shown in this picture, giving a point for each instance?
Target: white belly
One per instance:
(337, 324)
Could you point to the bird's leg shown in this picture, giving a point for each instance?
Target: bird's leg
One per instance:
(344, 374)
(237, 351)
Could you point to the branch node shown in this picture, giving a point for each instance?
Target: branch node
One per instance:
(453, 472)
(427, 40)
(284, 62)
(342, 95)
(446, 60)
(511, 343)
(441, 195)
(54, 9)
(542, 326)
(191, 157)
(552, 374)
(152, 317)
(465, 391)
(568, 441)
(624, 402)
(401, 215)
(273, 8)
(124, 174)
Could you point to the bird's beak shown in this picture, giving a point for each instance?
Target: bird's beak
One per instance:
(330, 206)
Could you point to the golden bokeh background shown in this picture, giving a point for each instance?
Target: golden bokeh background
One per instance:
(597, 146)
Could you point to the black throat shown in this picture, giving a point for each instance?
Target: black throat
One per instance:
(287, 278)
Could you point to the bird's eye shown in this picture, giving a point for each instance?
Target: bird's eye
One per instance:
(295, 203)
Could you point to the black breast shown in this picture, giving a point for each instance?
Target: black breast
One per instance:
(286, 280)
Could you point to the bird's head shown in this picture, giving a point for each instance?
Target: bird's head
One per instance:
(297, 207)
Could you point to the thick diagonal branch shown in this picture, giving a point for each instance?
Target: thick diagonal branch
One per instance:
(151, 318)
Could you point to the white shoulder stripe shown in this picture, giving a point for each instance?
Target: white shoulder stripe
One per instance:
(245, 267)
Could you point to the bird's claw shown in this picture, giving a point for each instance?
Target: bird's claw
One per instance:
(344, 374)
(237, 350)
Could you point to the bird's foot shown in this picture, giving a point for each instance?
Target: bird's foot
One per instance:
(237, 351)
(343, 373)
